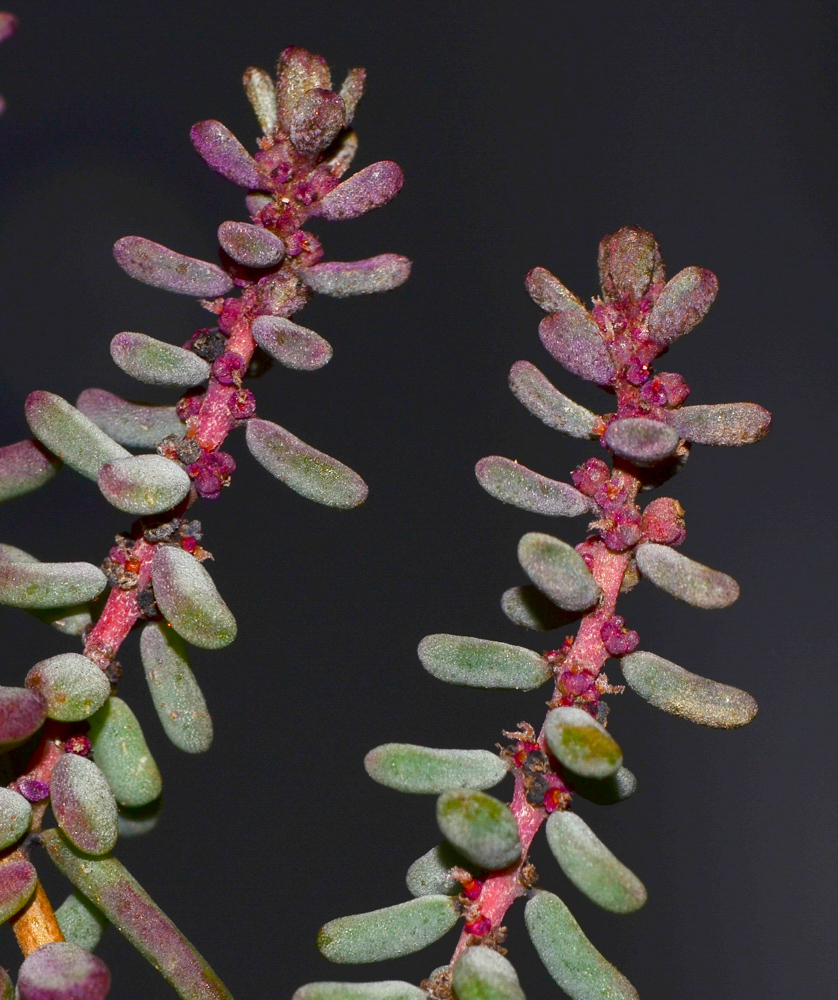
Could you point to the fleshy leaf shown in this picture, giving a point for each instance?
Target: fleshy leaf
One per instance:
(18, 879)
(68, 433)
(292, 345)
(61, 970)
(352, 89)
(581, 744)
(15, 817)
(388, 990)
(156, 265)
(297, 72)
(482, 974)
(345, 149)
(24, 467)
(49, 585)
(391, 932)
(558, 571)
(569, 956)
(72, 686)
(515, 484)
(83, 804)
(574, 340)
(684, 578)
(666, 685)
(425, 771)
(222, 151)
(72, 620)
(80, 921)
(640, 440)
(157, 363)
(21, 714)
(316, 120)
(144, 484)
(261, 92)
(460, 659)
(370, 188)
(529, 608)
(357, 277)
(722, 424)
(174, 690)
(547, 291)
(186, 595)
(252, 246)
(607, 791)
(480, 827)
(122, 754)
(307, 471)
(137, 821)
(138, 425)
(428, 875)
(682, 304)
(552, 407)
(7, 987)
(629, 264)
(591, 867)
(108, 885)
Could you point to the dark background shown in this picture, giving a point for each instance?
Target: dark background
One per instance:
(526, 131)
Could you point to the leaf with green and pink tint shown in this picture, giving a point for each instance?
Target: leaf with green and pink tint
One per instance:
(357, 277)
(137, 425)
(18, 879)
(222, 151)
(156, 265)
(290, 344)
(83, 804)
(24, 467)
(157, 363)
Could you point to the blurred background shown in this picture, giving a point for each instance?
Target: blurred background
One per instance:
(526, 132)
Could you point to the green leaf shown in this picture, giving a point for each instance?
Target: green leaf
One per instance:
(670, 687)
(581, 744)
(174, 690)
(15, 817)
(83, 804)
(569, 956)
(24, 467)
(307, 471)
(137, 425)
(72, 620)
(18, 880)
(480, 827)
(390, 990)
(429, 875)
(515, 484)
(558, 571)
(72, 686)
(425, 771)
(70, 435)
(528, 608)
(107, 884)
(552, 407)
(157, 363)
(731, 424)
(460, 659)
(591, 867)
(80, 921)
(641, 440)
(187, 597)
(684, 578)
(388, 933)
(144, 484)
(123, 755)
(482, 974)
(37, 585)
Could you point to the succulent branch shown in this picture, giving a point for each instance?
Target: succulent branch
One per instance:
(67, 741)
(482, 865)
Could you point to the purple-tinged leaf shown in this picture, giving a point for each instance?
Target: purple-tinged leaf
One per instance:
(483, 974)
(558, 571)
(370, 188)
(547, 291)
(516, 484)
(461, 659)
(73, 687)
(352, 90)
(69, 434)
(261, 92)
(255, 202)
(63, 971)
(357, 277)
(24, 467)
(629, 264)
(640, 440)
(722, 423)
(80, 921)
(307, 471)
(481, 827)
(108, 885)
(156, 265)
(22, 713)
(144, 484)
(297, 72)
(123, 756)
(316, 120)
(222, 151)
(666, 685)
(8, 25)
(157, 363)
(83, 804)
(552, 407)
(138, 425)
(529, 608)
(292, 345)
(15, 817)
(682, 304)
(574, 340)
(49, 585)
(252, 246)
(341, 160)
(388, 990)
(684, 578)
(18, 880)
(581, 744)
(188, 598)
